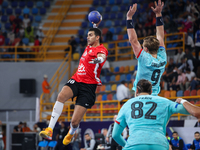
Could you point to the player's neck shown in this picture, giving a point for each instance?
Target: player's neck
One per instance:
(95, 44)
(143, 94)
(154, 55)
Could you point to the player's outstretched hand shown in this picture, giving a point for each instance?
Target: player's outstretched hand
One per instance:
(158, 8)
(94, 61)
(131, 12)
(95, 25)
(178, 100)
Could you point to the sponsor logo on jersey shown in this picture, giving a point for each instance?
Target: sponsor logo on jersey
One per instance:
(81, 69)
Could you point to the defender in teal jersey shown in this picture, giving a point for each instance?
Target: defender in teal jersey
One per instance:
(152, 57)
(147, 117)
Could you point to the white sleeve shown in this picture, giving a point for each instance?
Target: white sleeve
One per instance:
(125, 133)
(195, 35)
(190, 64)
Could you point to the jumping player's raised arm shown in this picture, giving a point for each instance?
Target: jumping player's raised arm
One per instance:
(159, 22)
(131, 31)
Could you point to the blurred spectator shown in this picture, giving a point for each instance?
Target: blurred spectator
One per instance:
(36, 43)
(76, 144)
(123, 91)
(11, 19)
(26, 20)
(172, 84)
(11, 35)
(196, 81)
(21, 31)
(89, 142)
(106, 68)
(169, 71)
(144, 33)
(2, 41)
(189, 41)
(139, 34)
(196, 142)
(60, 136)
(177, 142)
(181, 78)
(1, 137)
(195, 25)
(82, 44)
(25, 128)
(181, 6)
(37, 130)
(17, 20)
(197, 43)
(18, 128)
(73, 43)
(21, 49)
(183, 28)
(40, 35)
(29, 33)
(109, 36)
(189, 77)
(46, 90)
(179, 56)
(188, 23)
(0, 14)
(168, 137)
(197, 124)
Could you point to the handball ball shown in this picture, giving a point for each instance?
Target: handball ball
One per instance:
(94, 16)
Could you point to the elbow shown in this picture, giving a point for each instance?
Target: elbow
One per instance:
(196, 114)
(133, 41)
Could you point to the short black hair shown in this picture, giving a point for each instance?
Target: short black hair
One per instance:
(144, 86)
(97, 32)
(123, 82)
(167, 134)
(196, 14)
(196, 132)
(187, 69)
(87, 134)
(175, 132)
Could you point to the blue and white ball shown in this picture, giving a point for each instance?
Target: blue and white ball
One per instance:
(94, 16)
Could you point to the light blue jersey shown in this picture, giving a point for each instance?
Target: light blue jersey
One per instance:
(147, 117)
(151, 68)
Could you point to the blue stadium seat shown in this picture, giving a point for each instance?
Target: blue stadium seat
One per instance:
(9, 11)
(123, 8)
(84, 24)
(111, 2)
(0, 26)
(116, 23)
(107, 9)
(112, 78)
(80, 32)
(111, 45)
(116, 69)
(77, 39)
(5, 4)
(121, 44)
(125, 2)
(108, 23)
(52, 144)
(101, 24)
(134, 1)
(104, 97)
(26, 11)
(7, 40)
(107, 78)
(122, 77)
(169, 45)
(103, 2)
(25, 41)
(22, 4)
(4, 18)
(179, 93)
(34, 11)
(123, 23)
(115, 8)
(114, 97)
(7, 26)
(90, 25)
(125, 36)
(118, 2)
(91, 9)
(118, 30)
(120, 15)
(112, 16)
(103, 79)
(100, 9)
(108, 87)
(175, 45)
(31, 18)
(105, 16)
(42, 11)
(95, 3)
(34, 24)
(115, 37)
(21, 17)
(29, 4)
(128, 77)
(14, 4)
(112, 29)
(136, 66)
(3, 11)
(43, 144)
(46, 4)
(39, 4)
(18, 11)
(37, 18)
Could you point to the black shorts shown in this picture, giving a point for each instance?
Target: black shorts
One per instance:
(85, 93)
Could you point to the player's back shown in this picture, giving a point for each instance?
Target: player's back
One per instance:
(146, 117)
(151, 69)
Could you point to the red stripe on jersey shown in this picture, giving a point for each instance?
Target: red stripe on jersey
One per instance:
(139, 53)
(117, 122)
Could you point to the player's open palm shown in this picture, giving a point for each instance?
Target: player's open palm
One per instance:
(131, 11)
(158, 7)
(178, 100)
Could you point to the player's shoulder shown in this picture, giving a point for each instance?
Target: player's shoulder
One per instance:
(101, 48)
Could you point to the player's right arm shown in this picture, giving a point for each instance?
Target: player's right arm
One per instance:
(192, 109)
(159, 22)
(131, 31)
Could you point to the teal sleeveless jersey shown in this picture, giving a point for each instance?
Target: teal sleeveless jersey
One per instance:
(151, 68)
(146, 117)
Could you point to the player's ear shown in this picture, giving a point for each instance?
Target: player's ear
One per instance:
(97, 37)
(136, 92)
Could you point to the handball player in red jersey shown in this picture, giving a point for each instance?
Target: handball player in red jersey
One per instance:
(82, 84)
